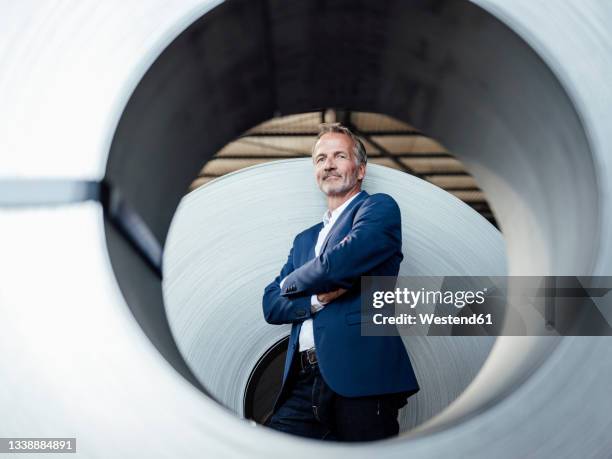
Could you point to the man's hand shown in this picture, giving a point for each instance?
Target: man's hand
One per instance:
(328, 297)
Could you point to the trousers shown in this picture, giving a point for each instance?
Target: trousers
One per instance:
(312, 409)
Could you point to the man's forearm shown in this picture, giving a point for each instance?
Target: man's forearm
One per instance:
(315, 304)
(281, 310)
(369, 244)
(278, 309)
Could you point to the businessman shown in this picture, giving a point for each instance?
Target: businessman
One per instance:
(337, 384)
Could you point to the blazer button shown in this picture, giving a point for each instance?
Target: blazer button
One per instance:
(301, 312)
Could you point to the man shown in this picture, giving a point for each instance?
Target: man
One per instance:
(337, 384)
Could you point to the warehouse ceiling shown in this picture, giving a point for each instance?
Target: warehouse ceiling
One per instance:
(389, 142)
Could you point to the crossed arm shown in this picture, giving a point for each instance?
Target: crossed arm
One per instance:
(374, 237)
(280, 309)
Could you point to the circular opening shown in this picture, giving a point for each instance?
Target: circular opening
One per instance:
(434, 65)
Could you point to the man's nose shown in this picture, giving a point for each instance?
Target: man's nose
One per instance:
(329, 164)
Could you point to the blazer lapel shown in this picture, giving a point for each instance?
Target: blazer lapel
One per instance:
(314, 235)
(342, 219)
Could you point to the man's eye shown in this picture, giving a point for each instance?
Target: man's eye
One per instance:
(319, 160)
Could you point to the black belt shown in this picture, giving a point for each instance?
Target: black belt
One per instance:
(308, 358)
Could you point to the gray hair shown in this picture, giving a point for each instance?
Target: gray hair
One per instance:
(358, 148)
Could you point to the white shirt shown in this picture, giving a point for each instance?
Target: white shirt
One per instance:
(306, 338)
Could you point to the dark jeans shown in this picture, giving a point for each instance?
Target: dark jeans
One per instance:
(311, 409)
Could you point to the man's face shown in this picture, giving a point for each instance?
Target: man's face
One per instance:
(336, 168)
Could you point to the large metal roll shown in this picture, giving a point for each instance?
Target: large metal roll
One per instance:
(230, 237)
(140, 95)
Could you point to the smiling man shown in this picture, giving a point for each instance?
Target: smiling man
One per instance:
(338, 384)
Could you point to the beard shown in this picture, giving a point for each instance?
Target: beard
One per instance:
(338, 185)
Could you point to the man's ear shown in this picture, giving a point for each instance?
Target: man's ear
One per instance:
(361, 171)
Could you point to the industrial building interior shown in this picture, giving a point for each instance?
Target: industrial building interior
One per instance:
(388, 141)
(180, 135)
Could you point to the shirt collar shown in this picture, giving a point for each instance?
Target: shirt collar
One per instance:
(331, 217)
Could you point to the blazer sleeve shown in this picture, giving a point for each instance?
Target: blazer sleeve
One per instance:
(278, 309)
(375, 236)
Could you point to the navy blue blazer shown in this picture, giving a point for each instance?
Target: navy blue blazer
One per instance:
(366, 240)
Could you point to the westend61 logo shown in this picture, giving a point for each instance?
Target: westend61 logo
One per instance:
(413, 298)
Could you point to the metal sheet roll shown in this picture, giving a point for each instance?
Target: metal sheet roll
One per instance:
(230, 238)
